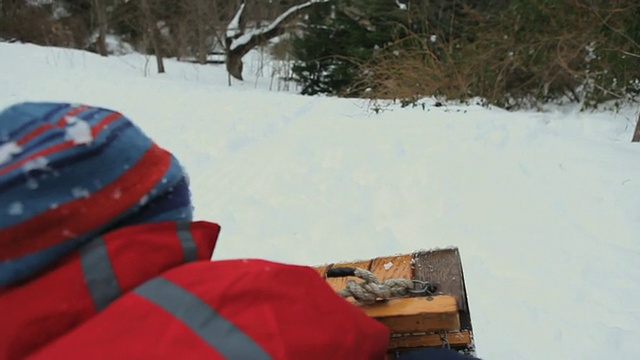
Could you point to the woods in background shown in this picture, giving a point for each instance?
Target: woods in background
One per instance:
(511, 53)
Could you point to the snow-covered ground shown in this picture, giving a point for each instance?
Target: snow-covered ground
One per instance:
(545, 207)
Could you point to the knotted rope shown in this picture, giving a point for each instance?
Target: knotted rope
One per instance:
(371, 289)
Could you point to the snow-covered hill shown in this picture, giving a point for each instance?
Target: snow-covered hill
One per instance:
(545, 207)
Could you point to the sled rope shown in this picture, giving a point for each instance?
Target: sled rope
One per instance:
(371, 289)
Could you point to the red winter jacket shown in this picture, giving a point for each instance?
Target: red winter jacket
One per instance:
(150, 292)
(80, 285)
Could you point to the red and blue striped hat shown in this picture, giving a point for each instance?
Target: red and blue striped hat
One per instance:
(71, 172)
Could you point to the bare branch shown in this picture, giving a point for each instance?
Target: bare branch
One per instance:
(630, 54)
(272, 27)
(605, 22)
(238, 43)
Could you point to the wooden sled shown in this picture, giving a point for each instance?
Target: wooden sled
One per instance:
(438, 319)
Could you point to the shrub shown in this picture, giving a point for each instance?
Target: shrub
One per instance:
(526, 54)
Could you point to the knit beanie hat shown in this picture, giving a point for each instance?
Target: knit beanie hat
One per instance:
(71, 172)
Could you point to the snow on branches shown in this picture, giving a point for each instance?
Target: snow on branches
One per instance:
(238, 42)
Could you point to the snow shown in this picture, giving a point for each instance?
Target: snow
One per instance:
(401, 6)
(544, 206)
(15, 208)
(32, 183)
(79, 192)
(39, 163)
(114, 44)
(7, 150)
(78, 130)
(233, 28)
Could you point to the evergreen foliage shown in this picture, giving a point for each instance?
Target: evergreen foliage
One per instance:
(339, 36)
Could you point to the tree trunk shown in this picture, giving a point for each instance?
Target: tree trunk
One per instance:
(235, 51)
(155, 42)
(10, 8)
(203, 49)
(154, 33)
(233, 60)
(101, 16)
(201, 18)
(636, 133)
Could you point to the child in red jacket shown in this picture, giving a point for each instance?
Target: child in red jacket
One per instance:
(100, 258)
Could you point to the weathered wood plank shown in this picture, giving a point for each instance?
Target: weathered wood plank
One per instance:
(443, 268)
(417, 314)
(393, 267)
(462, 338)
(442, 304)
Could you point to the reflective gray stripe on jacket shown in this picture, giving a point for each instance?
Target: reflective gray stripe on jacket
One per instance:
(98, 271)
(202, 319)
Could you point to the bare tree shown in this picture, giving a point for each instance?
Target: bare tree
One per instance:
(201, 26)
(9, 10)
(100, 11)
(239, 42)
(636, 133)
(203, 15)
(153, 33)
(10, 7)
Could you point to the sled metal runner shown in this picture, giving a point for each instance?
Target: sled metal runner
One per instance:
(440, 319)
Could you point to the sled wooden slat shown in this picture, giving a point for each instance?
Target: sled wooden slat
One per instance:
(391, 267)
(443, 304)
(454, 339)
(416, 321)
(442, 268)
(417, 314)
(384, 268)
